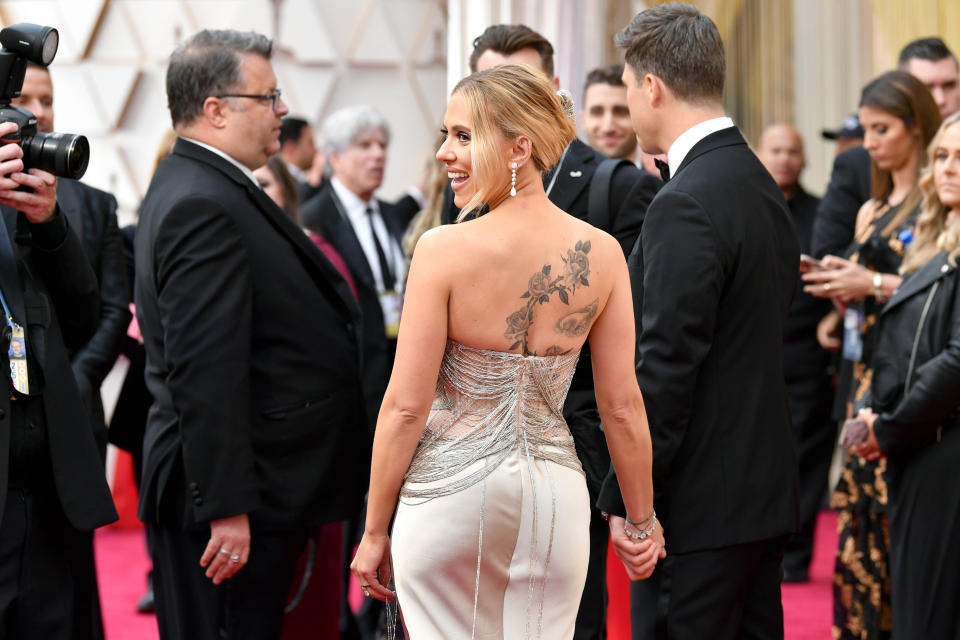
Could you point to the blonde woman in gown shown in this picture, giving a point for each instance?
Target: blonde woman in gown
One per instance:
(490, 538)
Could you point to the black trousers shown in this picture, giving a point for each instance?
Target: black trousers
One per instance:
(722, 594)
(815, 436)
(248, 605)
(36, 582)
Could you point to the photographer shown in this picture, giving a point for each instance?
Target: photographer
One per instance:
(51, 483)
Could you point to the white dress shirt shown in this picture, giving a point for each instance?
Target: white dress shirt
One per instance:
(356, 210)
(689, 138)
(246, 170)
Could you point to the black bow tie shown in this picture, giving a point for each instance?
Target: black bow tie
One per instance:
(663, 167)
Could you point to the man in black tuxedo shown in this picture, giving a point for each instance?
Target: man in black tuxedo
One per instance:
(257, 429)
(92, 214)
(806, 365)
(624, 196)
(713, 274)
(299, 152)
(52, 486)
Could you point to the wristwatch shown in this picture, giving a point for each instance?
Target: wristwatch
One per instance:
(877, 282)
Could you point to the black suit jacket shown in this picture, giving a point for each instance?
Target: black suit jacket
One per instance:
(252, 356)
(50, 288)
(93, 214)
(325, 215)
(713, 274)
(849, 188)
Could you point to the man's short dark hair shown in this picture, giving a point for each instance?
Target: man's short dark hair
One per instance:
(507, 39)
(932, 49)
(611, 74)
(291, 128)
(208, 64)
(679, 45)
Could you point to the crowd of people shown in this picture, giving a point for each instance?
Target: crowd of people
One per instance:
(651, 338)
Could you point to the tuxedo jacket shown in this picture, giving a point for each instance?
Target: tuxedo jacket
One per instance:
(713, 274)
(849, 188)
(93, 215)
(326, 215)
(52, 292)
(253, 360)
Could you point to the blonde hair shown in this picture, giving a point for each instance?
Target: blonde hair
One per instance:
(516, 100)
(933, 235)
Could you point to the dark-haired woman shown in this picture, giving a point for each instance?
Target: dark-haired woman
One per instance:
(914, 408)
(899, 117)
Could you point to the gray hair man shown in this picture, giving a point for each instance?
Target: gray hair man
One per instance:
(252, 344)
(713, 275)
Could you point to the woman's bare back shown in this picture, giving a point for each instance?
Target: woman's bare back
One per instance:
(530, 282)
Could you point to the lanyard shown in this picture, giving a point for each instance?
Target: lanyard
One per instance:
(6, 309)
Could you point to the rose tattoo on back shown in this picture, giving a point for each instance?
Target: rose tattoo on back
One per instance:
(541, 287)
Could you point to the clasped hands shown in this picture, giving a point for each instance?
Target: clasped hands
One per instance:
(38, 205)
(869, 449)
(639, 557)
(371, 566)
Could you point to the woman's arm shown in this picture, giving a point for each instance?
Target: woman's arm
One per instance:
(406, 404)
(620, 403)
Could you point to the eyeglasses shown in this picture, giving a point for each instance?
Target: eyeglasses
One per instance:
(272, 97)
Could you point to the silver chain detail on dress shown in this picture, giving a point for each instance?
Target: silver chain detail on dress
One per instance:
(489, 404)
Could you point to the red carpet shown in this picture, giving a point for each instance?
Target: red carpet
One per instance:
(122, 561)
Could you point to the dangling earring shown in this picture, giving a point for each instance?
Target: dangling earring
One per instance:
(513, 178)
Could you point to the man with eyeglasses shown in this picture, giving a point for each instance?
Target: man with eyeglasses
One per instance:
(257, 430)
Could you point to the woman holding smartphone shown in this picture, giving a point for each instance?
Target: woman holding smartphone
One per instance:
(899, 117)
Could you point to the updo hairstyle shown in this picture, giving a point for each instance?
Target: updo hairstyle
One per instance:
(515, 100)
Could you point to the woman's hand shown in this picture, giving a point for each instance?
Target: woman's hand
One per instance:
(639, 557)
(372, 567)
(839, 279)
(871, 448)
(828, 331)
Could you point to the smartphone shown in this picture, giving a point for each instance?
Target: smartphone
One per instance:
(808, 263)
(854, 433)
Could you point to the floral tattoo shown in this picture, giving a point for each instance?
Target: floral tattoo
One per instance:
(540, 287)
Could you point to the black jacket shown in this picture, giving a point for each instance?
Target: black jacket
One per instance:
(918, 349)
(849, 188)
(93, 214)
(48, 283)
(324, 214)
(253, 358)
(713, 274)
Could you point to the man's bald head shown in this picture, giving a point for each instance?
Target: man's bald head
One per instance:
(781, 151)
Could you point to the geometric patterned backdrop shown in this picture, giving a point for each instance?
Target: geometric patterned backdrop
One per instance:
(109, 71)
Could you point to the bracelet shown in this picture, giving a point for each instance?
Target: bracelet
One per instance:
(639, 525)
(877, 283)
(643, 533)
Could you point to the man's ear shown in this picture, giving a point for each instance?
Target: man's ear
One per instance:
(556, 82)
(654, 89)
(215, 112)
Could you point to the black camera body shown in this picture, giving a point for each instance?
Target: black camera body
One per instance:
(62, 154)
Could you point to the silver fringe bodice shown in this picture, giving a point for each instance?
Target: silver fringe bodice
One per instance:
(488, 404)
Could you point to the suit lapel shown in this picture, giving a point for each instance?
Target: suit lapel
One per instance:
(9, 272)
(343, 237)
(282, 222)
(573, 174)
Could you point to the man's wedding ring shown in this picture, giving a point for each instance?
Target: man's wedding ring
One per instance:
(223, 551)
(235, 558)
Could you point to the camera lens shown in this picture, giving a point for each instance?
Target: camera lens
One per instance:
(62, 154)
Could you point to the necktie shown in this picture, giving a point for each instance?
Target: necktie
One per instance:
(664, 169)
(389, 282)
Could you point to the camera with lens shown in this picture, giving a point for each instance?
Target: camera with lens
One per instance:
(62, 154)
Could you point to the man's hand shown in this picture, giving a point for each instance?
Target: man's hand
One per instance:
(639, 557)
(229, 548)
(37, 206)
